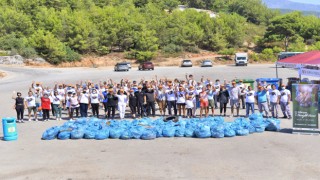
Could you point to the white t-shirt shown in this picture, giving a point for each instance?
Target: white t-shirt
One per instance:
(192, 93)
(122, 99)
(61, 92)
(31, 100)
(284, 95)
(68, 101)
(170, 95)
(234, 93)
(94, 98)
(250, 96)
(161, 95)
(56, 99)
(84, 98)
(181, 97)
(274, 94)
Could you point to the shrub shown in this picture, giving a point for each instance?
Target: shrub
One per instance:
(172, 48)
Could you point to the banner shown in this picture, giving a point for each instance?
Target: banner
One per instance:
(305, 106)
(309, 72)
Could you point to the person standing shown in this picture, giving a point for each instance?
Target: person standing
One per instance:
(171, 100)
(261, 97)
(46, 106)
(234, 98)
(37, 96)
(84, 103)
(105, 100)
(149, 101)
(181, 101)
(223, 97)
(111, 103)
(274, 100)
(122, 103)
(203, 98)
(211, 95)
(190, 103)
(133, 103)
(217, 87)
(140, 100)
(161, 100)
(74, 105)
(19, 106)
(249, 101)
(57, 105)
(242, 88)
(285, 101)
(30, 103)
(94, 102)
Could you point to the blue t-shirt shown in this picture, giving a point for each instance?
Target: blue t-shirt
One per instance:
(262, 96)
(105, 99)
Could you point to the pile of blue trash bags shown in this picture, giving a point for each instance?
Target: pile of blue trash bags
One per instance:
(148, 129)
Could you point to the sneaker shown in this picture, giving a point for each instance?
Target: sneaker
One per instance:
(57, 119)
(36, 120)
(22, 121)
(29, 119)
(289, 117)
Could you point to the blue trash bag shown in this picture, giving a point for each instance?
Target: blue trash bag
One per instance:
(126, 134)
(217, 131)
(189, 130)
(50, 133)
(255, 116)
(229, 130)
(168, 130)
(251, 129)
(64, 135)
(242, 132)
(77, 134)
(82, 121)
(90, 133)
(159, 129)
(273, 125)
(137, 131)
(149, 134)
(258, 124)
(102, 134)
(180, 131)
(202, 131)
(115, 132)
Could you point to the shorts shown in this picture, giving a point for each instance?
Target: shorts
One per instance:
(234, 102)
(181, 104)
(32, 108)
(204, 104)
(211, 103)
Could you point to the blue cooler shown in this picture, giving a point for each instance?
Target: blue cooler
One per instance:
(9, 129)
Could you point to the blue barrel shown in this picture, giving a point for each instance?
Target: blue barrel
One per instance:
(275, 81)
(9, 129)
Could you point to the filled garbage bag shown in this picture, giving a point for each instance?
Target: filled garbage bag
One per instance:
(242, 132)
(149, 134)
(180, 131)
(168, 131)
(51, 133)
(273, 125)
(137, 131)
(202, 131)
(189, 130)
(217, 131)
(90, 133)
(102, 134)
(64, 135)
(229, 130)
(126, 134)
(115, 132)
(77, 134)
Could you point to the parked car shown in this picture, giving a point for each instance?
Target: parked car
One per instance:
(206, 63)
(128, 63)
(121, 67)
(186, 63)
(146, 66)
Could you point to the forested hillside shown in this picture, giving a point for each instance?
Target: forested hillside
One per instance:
(63, 30)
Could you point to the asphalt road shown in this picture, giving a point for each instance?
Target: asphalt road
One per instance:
(269, 155)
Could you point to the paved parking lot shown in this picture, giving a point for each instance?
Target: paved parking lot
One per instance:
(270, 155)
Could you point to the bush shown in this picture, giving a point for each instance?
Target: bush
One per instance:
(103, 50)
(267, 55)
(227, 52)
(172, 48)
(28, 52)
(192, 49)
(276, 49)
(71, 55)
(254, 57)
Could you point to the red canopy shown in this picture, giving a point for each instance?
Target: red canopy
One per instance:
(309, 58)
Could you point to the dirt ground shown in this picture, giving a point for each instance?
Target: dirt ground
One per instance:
(268, 155)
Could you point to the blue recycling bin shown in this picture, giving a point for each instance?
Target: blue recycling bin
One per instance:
(10, 132)
(276, 81)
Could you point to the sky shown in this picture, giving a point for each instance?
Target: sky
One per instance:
(307, 1)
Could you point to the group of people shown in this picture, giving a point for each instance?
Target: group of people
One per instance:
(172, 97)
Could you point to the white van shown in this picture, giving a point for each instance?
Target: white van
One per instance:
(241, 59)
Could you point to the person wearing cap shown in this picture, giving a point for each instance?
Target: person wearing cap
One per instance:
(57, 105)
(190, 80)
(198, 90)
(211, 94)
(250, 100)
(133, 103)
(171, 99)
(19, 106)
(46, 106)
(285, 101)
(30, 103)
(122, 102)
(274, 100)
(37, 95)
(149, 101)
(84, 102)
(112, 102)
(242, 88)
(36, 86)
(94, 103)
(223, 96)
(181, 101)
(261, 97)
(234, 98)
(74, 105)
(161, 100)
(203, 98)
(140, 100)
(62, 93)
